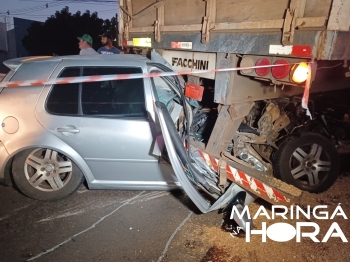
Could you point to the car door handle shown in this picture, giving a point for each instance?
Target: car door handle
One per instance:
(68, 130)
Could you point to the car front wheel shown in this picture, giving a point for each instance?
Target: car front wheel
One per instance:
(309, 162)
(45, 174)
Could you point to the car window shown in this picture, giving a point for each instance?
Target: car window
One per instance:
(117, 98)
(165, 92)
(34, 71)
(63, 99)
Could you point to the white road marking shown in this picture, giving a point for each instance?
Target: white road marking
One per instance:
(13, 212)
(67, 214)
(82, 191)
(160, 195)
(87, 229)
(172, 236)
(151, 196)
(21, 208)
(145, 197)
(4, 217)
(107, 204)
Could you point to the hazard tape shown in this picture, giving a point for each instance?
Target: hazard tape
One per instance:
(246, 181)
(98, 78)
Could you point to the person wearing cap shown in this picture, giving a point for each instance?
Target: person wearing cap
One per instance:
(107, 48)
(85, 43)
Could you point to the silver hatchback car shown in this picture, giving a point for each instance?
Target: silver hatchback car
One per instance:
(54, 136)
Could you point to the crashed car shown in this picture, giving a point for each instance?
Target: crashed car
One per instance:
(137, 130)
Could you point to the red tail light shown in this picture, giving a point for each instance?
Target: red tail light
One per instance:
(282, 71)
(264, 70)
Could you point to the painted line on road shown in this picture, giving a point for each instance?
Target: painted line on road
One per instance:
(67, 214)
(153, 193)
(85, 230)
(20, 208)
(83, 191)
(172, 236)
(157, 196)
(150, 197)
(145, 197)
(13, 212)
(4, 217)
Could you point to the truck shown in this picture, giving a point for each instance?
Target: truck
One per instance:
(251, 119)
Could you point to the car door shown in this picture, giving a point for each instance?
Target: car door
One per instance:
(108, 123)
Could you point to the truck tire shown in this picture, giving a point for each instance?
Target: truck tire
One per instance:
(45, 174)
(310, 162)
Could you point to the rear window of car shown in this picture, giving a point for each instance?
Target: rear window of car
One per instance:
(34, 71)
(117, 98)
(64, 99)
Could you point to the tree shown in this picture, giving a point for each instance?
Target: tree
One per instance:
(60, 31)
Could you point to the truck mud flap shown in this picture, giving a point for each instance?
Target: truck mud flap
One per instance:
(244, 179)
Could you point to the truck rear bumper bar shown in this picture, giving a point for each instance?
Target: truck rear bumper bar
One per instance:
(264, 186)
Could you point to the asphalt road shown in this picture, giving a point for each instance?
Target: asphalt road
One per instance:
(150, 226)
(96, 226)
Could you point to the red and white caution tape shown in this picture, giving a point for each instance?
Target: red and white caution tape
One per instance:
(98, 78)
(305, 99)
(246, 181)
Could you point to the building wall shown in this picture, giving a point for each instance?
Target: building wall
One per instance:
(21, 27)
(11, 39)
(3, 38)
(3, 47)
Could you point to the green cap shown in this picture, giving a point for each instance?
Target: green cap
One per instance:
(86, 38)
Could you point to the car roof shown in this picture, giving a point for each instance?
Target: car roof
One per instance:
(16, 62)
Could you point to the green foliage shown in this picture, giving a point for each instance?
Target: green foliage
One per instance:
(60, 31)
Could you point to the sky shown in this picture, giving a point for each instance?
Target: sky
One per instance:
(37, 10)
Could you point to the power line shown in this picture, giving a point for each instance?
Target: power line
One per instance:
(25, 9)
(47, 15)
(107, 11)
(33, 9)
(32, 15)
(111, 3)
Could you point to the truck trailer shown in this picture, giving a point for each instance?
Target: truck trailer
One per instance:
(250, 123)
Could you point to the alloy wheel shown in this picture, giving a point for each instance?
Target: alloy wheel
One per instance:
(310, 164)
(47, 170)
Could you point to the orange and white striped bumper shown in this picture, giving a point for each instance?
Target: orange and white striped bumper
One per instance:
(280, 193)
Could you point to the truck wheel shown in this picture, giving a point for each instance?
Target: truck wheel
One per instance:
(45, 174)
(310, 162)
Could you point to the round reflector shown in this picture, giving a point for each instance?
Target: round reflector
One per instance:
(264, 70)
(247, 62)
(300, 72)
(282, 71)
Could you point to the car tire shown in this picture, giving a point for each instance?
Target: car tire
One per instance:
(310, 162)
(45, 174)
